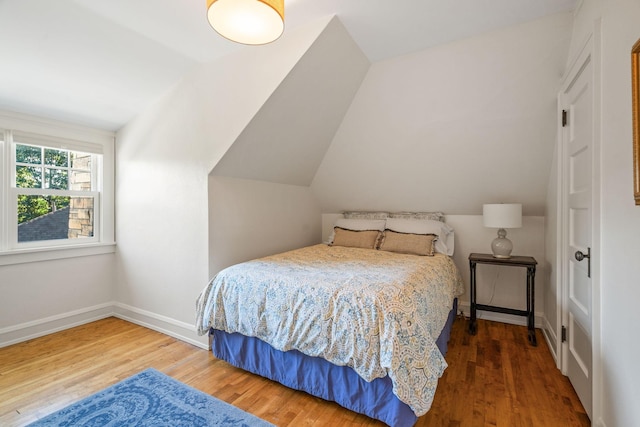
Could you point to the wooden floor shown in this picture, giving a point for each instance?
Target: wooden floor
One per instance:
(494, 378)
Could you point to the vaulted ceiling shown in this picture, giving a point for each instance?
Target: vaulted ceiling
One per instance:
(101, 63)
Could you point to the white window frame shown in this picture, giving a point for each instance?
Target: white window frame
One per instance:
(16, 129)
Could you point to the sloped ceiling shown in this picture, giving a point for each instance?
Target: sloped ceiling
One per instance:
(101, 63)
(287, 139)
(453, 127)
(475, 115)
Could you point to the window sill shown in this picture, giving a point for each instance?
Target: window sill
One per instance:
(22, 256)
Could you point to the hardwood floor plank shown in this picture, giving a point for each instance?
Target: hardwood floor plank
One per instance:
(494, 378)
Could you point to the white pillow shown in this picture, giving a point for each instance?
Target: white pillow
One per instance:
(445, 241)
(357, 225)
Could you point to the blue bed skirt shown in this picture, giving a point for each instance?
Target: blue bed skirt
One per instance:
(320, 378)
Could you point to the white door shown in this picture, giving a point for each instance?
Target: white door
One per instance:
(578, 144)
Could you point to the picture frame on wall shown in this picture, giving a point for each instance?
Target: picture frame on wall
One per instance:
(635, 99)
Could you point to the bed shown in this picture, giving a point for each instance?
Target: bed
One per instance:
(364, 327)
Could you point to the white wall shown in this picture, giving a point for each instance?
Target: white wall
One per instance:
(617, 380)
(500, 286)
(620, 222)
(250, 219)
(452, 127)
(42, 297)
(164, 158)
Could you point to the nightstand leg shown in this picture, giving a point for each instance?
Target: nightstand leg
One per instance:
(531, 295)
(473, 327)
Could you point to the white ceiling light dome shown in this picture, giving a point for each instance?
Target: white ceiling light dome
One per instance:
(252, 22)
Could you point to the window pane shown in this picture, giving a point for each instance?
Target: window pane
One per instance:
(80, 180)
(32, 207)
(28, 177)
(55, 157)
(56, 179)
(28, 154)
(54, 217)
(81, 217)
(80, 161)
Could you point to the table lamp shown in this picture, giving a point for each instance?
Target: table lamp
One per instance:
(501, 216)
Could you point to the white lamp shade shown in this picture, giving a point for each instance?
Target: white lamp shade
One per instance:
(502, 215)
(251, 22)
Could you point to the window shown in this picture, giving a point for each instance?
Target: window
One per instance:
(57, 192)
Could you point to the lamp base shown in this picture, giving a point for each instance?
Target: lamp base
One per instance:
(501, 246)
(502, 256)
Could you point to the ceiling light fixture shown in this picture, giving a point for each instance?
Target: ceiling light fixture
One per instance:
(247, 21)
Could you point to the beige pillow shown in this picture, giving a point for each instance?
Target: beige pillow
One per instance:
(406, 243)
(367, 239)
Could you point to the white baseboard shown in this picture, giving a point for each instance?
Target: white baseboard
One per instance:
(174, 328)
(37, 328)
(48, 325)
(182, 330)
(552, 340)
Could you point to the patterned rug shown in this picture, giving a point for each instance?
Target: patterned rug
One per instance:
(151, 398)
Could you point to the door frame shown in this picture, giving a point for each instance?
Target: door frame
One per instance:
(590, 51)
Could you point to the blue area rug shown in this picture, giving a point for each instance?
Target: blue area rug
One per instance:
(151, 398)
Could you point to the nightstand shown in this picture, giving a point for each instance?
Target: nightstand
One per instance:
(515, 261)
